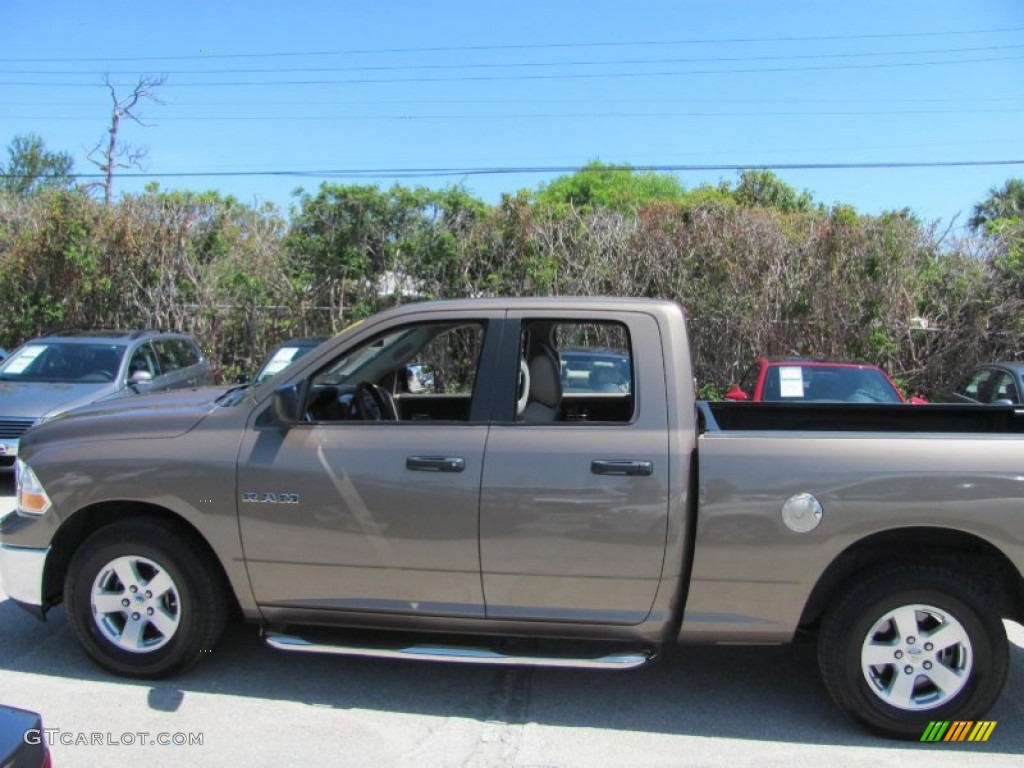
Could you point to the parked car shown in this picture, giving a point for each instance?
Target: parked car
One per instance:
(284, 355)
(53, 374)
(595, 371)
(990, 384)
(806, 380)
(22, 741)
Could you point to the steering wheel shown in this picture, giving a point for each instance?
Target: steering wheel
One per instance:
(373, 403)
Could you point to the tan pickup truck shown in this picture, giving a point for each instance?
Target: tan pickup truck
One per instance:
(532, 482)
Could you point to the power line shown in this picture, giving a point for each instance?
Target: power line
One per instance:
(277, 104)
(532, 115)
(442, 172)
(528, 46)
(508, 101)
(503, 78)
(534, 64)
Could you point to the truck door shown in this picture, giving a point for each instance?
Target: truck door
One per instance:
(355, 510)
(575, 497)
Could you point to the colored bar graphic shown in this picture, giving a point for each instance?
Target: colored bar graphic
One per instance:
(959, 730)
(982, 730)
(935, 731)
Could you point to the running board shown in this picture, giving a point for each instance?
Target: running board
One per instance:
(465, 655)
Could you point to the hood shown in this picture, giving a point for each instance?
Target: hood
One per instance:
(32, 400)
(159, 415)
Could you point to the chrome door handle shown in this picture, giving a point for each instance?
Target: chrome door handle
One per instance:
(634, 468)
(435, 463)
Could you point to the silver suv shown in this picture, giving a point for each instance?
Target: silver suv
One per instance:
(52, 374)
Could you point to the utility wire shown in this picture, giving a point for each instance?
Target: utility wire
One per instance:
(533, 64)
(504, 78)
(526, 46)
(484, 101)
(438, 172)
(531, 115)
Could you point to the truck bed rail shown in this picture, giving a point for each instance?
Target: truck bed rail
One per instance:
(859, 417)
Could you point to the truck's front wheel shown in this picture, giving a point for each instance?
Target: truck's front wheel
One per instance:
(913, 645)
(142, 601)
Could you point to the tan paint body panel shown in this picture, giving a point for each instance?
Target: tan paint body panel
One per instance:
(752, 576)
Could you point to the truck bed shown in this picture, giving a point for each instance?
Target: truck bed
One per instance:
(858, 417)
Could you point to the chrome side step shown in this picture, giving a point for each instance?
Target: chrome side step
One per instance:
(467, 655)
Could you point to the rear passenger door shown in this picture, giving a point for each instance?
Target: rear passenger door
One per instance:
(574, 511)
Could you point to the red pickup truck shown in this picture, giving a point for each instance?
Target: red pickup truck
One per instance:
(800, 379)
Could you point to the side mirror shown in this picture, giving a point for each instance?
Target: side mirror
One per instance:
(288, 403)
(735, 393)
(242, 378)
(138, 378)
(420, 378)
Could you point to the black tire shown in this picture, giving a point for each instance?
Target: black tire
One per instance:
(185, 620)
(973, 668)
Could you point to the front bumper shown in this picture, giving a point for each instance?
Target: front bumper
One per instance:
(21, 574)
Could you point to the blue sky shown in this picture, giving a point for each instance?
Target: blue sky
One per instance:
(309, 86)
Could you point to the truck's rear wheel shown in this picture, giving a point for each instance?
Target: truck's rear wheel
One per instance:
(912, 645)
(142, 601)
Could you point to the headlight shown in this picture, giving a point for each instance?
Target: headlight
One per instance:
(32, 498)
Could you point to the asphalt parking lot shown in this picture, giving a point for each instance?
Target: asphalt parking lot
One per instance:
(250, 705)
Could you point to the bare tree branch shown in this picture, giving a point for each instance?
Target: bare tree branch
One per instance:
(123, 156)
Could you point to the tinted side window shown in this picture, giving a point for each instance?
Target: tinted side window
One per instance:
(175, 354)
(143, 359)
(1003, 388)
(975, 386)
(188, 353)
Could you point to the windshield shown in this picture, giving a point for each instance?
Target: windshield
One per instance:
(282, 357)
(824, 383)
(392, 347)
(63, 362)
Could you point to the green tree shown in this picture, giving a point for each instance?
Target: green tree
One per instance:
(31, 168)
(1005, 202)
(358, 248)
(763, 189)
(618, 187)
